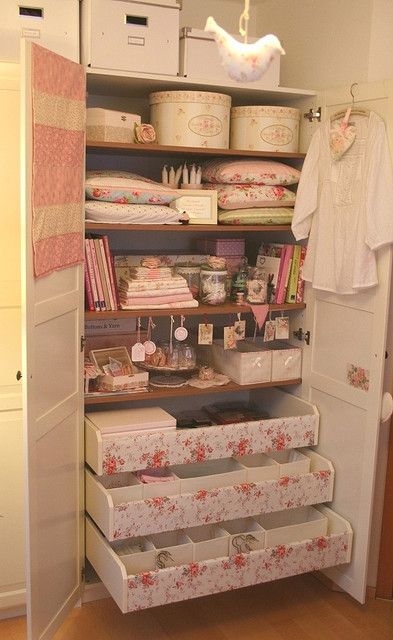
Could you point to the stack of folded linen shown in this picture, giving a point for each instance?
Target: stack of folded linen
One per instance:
(150, 286)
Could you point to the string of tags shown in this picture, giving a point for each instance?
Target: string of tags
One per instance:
(274, 329)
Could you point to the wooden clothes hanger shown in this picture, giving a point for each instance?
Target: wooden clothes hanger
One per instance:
(351, 110)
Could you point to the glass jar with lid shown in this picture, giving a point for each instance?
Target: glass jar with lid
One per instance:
(213, 281)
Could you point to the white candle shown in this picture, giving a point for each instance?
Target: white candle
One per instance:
(193, 174)
(185, 174)
(164, 175)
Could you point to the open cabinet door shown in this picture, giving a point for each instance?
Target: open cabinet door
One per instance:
(344, 375)
(52, 145)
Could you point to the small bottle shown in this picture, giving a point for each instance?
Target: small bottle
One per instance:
(239, 282)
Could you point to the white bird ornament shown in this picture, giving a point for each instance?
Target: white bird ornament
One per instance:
(244, 62)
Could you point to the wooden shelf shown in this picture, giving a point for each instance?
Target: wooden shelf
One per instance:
(202, 310)
(169, 150)
(155, 393)
(185, 228)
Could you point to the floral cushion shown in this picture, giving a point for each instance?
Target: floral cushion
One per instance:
(126, 188)
(98, 211)
(269, 172)
(257, 215)
(244, 196)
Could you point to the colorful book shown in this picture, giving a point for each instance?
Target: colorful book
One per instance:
(293, 275)
(286, 259)
(89, 302)
(97, 275)
(111, 272)
(300, 282)
(92, 279)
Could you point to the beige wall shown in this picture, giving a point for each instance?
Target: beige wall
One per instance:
(328, 42)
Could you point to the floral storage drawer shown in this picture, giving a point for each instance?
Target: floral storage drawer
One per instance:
(120, 516)
(295, 425)
(152, 588)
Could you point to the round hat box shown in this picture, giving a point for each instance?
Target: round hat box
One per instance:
(191, 118)
(265, 128)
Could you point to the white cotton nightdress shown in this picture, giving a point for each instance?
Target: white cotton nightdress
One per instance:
(345, 206)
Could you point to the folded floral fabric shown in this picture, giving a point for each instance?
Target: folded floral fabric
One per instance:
(129, 294)
(256, 215)
(157, 299)
(170, 305)
(144, 285)
(123, 213)
(243, 196)
(249, 171)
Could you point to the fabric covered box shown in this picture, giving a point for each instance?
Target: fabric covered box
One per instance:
(265, 128)
(246, 535)
(106, 125)
(137, 554)
(210, 541)
(172, 548)
(191, 118)
(199, 59)
(222, 246)
(286, 361)
(209, 475)
(138, 36)
(294, 525)
(51, 23)
(246, 364)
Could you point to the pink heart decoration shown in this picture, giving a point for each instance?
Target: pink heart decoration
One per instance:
(342, 138)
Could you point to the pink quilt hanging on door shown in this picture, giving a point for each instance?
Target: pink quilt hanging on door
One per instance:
(58, 104)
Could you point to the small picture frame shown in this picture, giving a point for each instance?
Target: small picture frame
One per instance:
(199, 204)
(103, 358)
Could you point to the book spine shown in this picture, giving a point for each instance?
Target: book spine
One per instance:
(92, 278)
(286, 259)
(89, 301)
(300, 282)
(97, 275)
(294, 275)
(102, 273)
(106, 274)
(279, 275)
(111, 271)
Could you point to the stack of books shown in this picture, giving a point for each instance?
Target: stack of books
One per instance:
(282, 264)
(100, 280)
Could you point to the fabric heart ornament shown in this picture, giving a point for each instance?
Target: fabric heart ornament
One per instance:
(342, 137)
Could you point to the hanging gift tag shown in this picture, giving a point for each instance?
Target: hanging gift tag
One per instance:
(282, 328)
(150, 346)
(181, 332)
(240, 329)
(205, 333)
(229, 337)
(270, 330)
(138, 352)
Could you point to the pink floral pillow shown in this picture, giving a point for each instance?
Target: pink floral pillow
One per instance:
(244, 196)
(269, 172)
(124, 187)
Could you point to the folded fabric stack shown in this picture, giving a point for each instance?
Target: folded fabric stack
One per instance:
(128, 198)
(154, 287)
(252, 191)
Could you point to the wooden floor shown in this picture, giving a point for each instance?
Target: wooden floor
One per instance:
(299, 608)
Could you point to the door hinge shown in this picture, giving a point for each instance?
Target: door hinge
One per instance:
(83, 341)
(302, 335)
(313, 115)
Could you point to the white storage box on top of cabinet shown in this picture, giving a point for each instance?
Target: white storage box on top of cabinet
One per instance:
(294, 423)
(200, 60)
(182, 582)
(138, 36)
(51, 23)
(121, 512)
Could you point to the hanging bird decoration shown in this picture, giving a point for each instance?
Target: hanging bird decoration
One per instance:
(244, 62)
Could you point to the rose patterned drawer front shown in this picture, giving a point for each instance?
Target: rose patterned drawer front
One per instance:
(153, 588)
(295, 425)
(142, 517)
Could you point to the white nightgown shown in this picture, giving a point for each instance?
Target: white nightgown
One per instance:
(345, 206)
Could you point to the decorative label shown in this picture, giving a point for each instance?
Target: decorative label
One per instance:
(138, 352)
(181, 333)
(282, 328)
(270, 330)
(150, 347)
(205, 333)
(277, 134)
(205, 125)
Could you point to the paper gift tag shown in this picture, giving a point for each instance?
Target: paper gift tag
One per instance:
(270, 330)
(138, 352)
(229, 337)
(150, 347)
(181, 333)
(205, 333)
(282, 327)
(240, 329)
